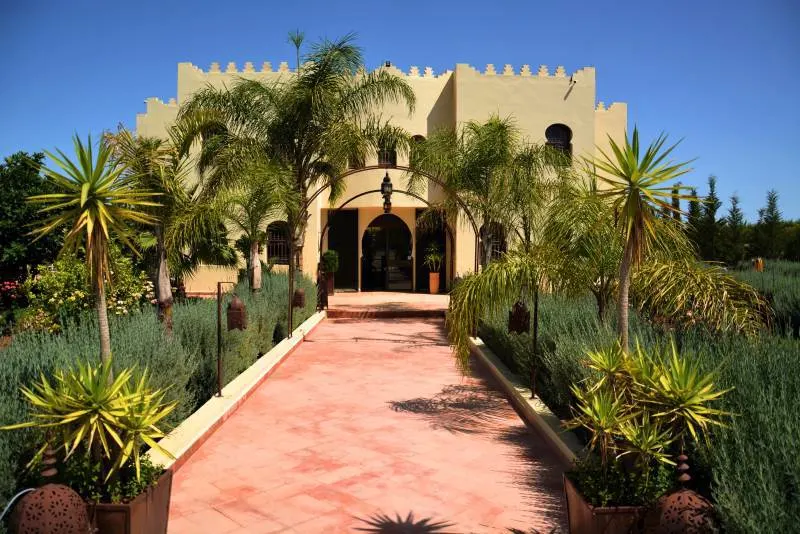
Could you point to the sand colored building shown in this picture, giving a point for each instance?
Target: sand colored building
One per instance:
(380, 251)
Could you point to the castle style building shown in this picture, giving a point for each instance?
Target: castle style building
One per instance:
(384, 251)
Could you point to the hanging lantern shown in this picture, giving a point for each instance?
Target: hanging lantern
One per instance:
(386, 191)
(237, 314)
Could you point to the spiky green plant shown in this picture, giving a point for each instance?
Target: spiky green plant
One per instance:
(96, 201)
(86, 408)
(636, 187)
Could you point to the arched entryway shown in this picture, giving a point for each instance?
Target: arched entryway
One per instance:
(387, 257)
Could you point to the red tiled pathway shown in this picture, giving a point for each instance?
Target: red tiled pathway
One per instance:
(367, 426)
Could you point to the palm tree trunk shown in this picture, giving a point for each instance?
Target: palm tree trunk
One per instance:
(290, 315)
(255, 266)
(163, 285)
(624, 286)
(486, 246)
(102, 318)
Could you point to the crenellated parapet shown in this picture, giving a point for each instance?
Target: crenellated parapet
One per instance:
(615, 107)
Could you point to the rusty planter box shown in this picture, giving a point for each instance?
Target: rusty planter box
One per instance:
(146, 514)
(587, 519)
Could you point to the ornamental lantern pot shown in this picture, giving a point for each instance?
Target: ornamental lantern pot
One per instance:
(299, 298)
(237, 314)
(51, 508)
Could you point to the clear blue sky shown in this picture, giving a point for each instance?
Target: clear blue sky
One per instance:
(723, 75)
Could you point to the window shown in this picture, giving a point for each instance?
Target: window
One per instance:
(559, 137)
(497, 238)
(278, 243)
(416, 141)
(387, 156)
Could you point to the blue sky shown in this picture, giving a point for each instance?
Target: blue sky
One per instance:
(722, 75)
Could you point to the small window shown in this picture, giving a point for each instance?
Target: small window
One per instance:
(559, 137)
(387, 156)
(278, 243)
(498, 239)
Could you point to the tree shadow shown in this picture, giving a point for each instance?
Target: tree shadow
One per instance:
(459, 408)
(381, 523)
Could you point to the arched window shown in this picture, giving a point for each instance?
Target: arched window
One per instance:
(387, 155)
(278, 243)
(416, 141)
(559, 137)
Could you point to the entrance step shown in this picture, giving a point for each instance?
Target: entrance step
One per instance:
(387, 305)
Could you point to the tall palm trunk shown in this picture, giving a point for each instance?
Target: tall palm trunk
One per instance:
(624, 286)
(486, 246)
(163, 285)
(290, 315)
(102, 318)
(255, 266)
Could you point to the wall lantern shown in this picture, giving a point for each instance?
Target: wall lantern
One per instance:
(386, 191)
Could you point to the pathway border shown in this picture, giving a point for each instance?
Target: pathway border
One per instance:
(188, 436)
(532, 410)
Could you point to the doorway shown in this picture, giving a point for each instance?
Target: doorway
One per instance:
(343, 238)
(387, 261)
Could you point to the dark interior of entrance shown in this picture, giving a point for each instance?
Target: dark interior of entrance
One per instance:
(343, 238)
(387, 257)
(432, 232)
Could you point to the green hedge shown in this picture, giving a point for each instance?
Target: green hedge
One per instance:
(185, 363)
(751, 469)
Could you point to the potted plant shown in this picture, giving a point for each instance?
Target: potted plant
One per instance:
(98, 424)
(639, 410)
(433, 261)
(330, 264)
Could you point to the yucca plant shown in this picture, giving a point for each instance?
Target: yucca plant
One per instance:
(638, 405)
(86, 409)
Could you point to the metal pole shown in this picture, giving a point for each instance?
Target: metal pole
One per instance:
(219, 339)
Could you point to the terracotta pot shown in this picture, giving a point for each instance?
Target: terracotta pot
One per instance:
(330, 284)
(146, 514)
(587, 519)
(433, 283)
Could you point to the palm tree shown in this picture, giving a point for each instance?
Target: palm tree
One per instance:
(472, 163)
(308, 123)
(154, 164)
(249, 207)
(96, 200)
(636, 189)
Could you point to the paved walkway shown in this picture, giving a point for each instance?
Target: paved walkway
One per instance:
(369, 427)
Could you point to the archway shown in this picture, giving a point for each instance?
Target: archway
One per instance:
(387, 257)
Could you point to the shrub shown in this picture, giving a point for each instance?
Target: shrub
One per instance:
(185, 364)
(61, 291)
(750, 469)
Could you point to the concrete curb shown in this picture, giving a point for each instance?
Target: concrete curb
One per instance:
(533, 411)
(187, 437)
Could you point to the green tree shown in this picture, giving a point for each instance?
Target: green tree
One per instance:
(634, 187)
(709, 229)
(308, 123)
(473, 162)
(19, 179)
(734, 231)
(94, 201)
(676, 202)
(154, 164)
(767, 231)
(694, 217)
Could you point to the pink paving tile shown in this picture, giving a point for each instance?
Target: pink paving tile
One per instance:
(369, 420)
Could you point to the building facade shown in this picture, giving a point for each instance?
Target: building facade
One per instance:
(384, 251)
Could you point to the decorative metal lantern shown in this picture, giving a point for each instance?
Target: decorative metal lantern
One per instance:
(237, 314)
(386, 191)
(299, 298)
(519, 318)
(51, 508)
